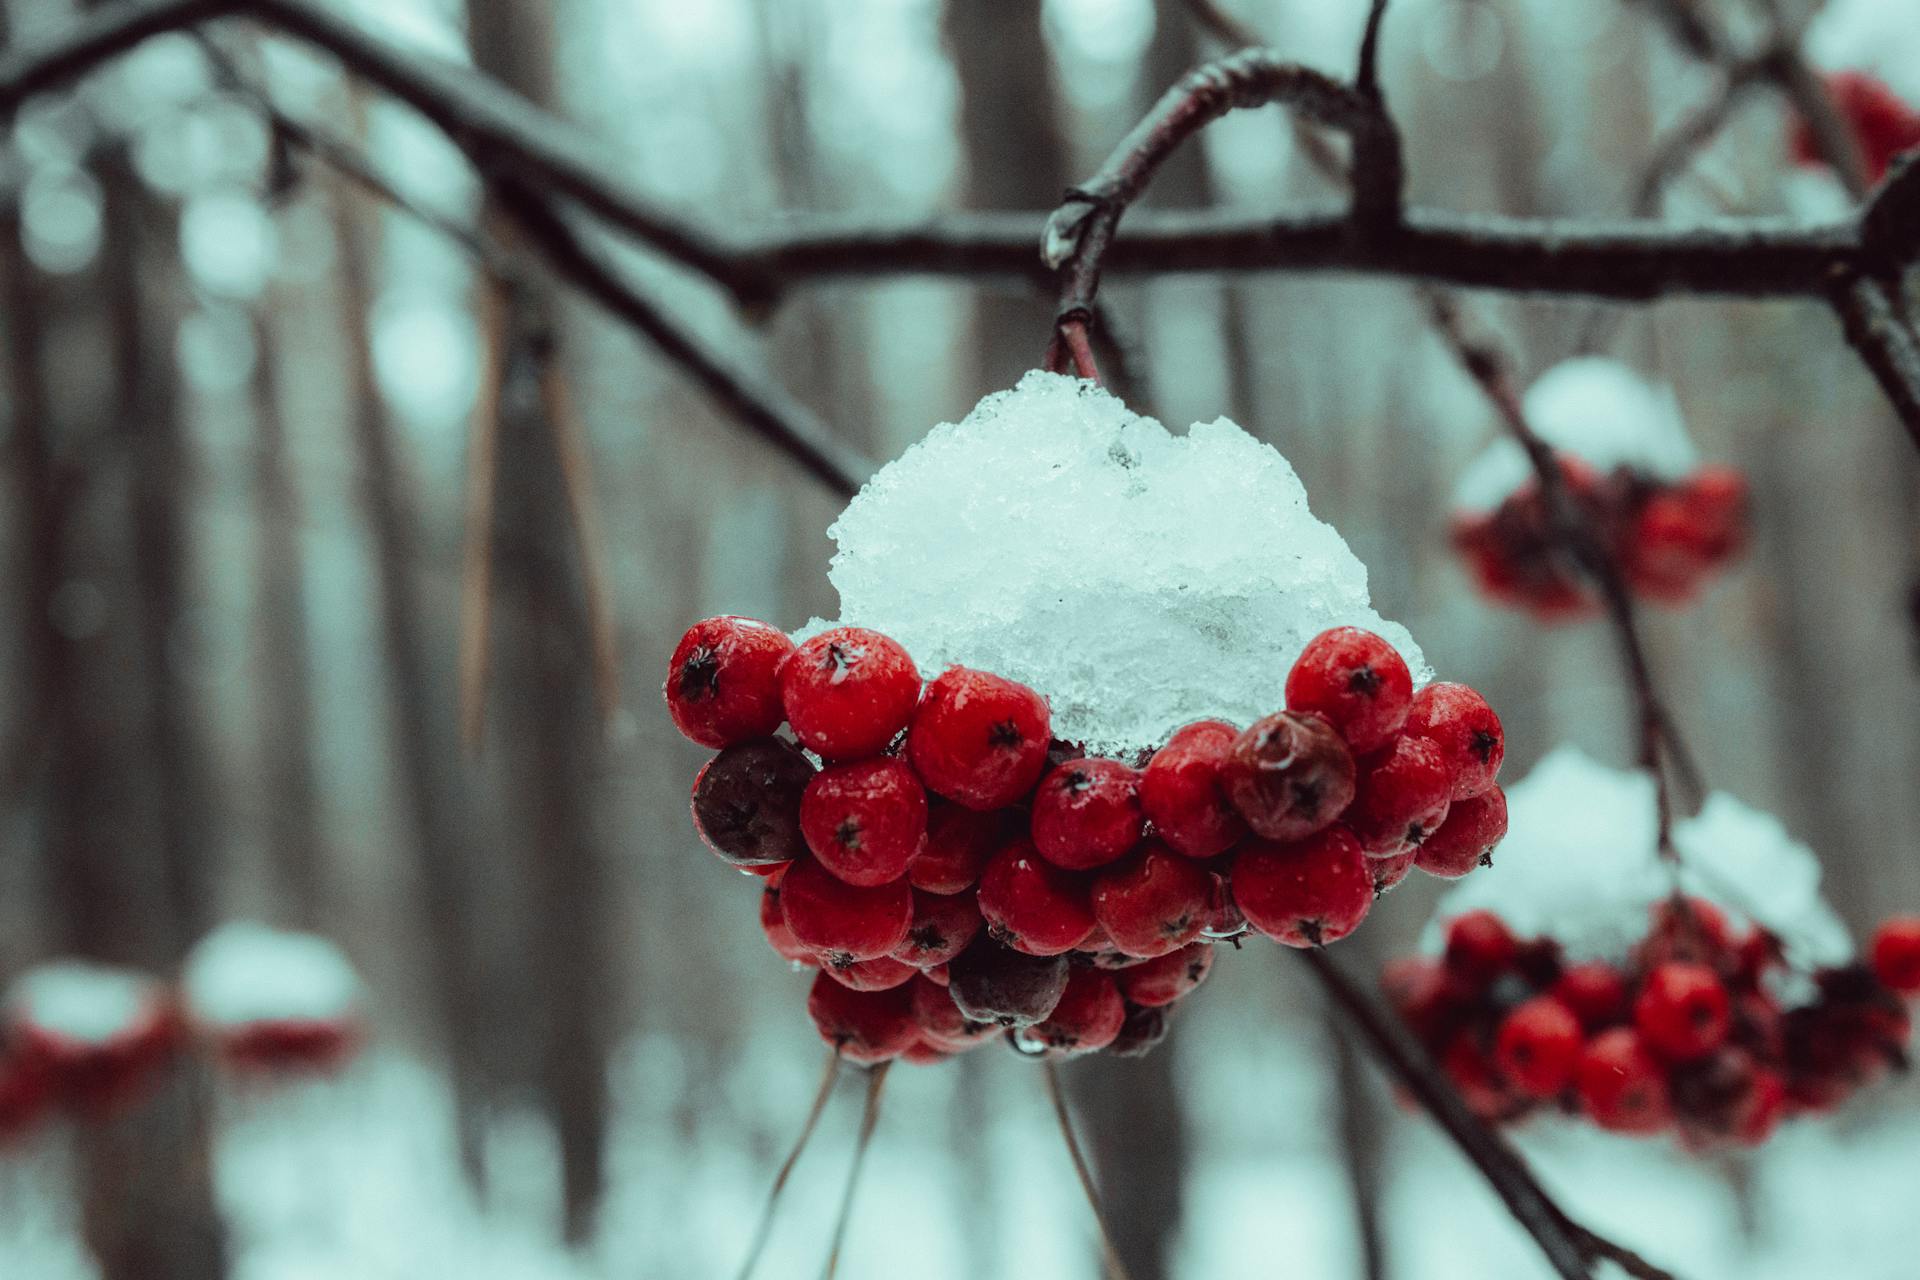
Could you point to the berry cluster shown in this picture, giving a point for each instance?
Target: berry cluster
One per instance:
(1883, 125)
(1690, 1034)
(1668, 537)
(956, 874)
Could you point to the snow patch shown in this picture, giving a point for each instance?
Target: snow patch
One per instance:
(243, 973)
(82, 1000)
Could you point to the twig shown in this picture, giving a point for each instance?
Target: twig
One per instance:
(475, 647)
(764, 1229)
(869, 1119)
(1885, 343)
(1116, 1268)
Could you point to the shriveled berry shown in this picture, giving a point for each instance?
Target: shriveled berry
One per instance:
(1141, 1033)
(1538, 1046)
(1165, 979)
(863, 1026)
(1184, 795)
(1389, 872)
(1467, 838)
(979, 739)
(1683, 1011)
(1289, 775)
(1153, 902)
(1595, 991)
(844, 922)
(1468, 733)
(1895, 954)
(773, 922)
(866, 820)
(848, 691)
(1087, 1019)
(1032, 905)
(1401, 797)
(881, 974)
(959, 842)
(1305, 894)
(1355, 680)
(943, 924)
(1621, 1086)
(1086, 813)
(940, 1019)
(723, 681)
(1480, 948)
(996, 984)
(746, 802)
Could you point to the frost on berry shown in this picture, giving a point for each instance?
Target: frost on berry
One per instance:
(1401, 797)
(1467, 839)
(1458, 721)
(1032, 905)
(863, 1026)
(1306, 894)
(1087, 1018)
(943, 924)
(1086, 813)
(746, 802)
(723, 681)
(1289, 775)
(1140, 1033)
(1168, 978)
(844, 922)
(865, 821)
(1183, 791)
(1357, 682)
(959, 842)
(995, 984)
(1154, 902)
(848, 691)
(979, 739)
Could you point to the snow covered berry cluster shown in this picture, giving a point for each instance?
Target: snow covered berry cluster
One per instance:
(958, 874)
(1702, 1029)
(89, 1037)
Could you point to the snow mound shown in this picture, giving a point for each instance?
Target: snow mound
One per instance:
(82, 1000)
(1139, 579)
(1597, 409)
(1580, 862)
(242, 973)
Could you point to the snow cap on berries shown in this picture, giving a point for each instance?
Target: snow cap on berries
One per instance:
(83, 1000)
(1580, 863)
(1140, 580)
(1598, 410)
(242, 973)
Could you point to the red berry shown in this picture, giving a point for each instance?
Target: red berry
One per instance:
(1426, 996)
(1141, 1033)
(1154, 902)
(1183, 792)
(848, 691)
(925, 1053)
(979, 739)
(1759, 1108)
(941, 1022)
(1400, 798)
(1480, 947)
(1467, 838)
(1357, 681)
(1031, 904)
(773, 922)
(1467, 732)
(1305, 894)
(959, 842)
(882, 974)
(844, 922)
(1086, 813)
(1538, 1046)
(865, 821)
(746, 802)
(1087, 1019)
(1595, 991)
(1688, 929)
(991, 983)
(1389, 872)
(1475, 1077)
(864, 1026)
(1683, 1011)
(1895, 954)
(1882, 123)
(943, 924)
(1165, 979)
(723, 681)
(1289, 775)
(1621, 1086)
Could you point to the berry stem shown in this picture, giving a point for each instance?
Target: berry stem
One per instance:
(869, 1120)
(764, 1229)
(1116, 1269)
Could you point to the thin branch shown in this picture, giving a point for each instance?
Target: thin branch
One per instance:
(1886, 344)
(1116, 1268)
(764, 1229)
(474, 651)
(869, 1120)
(583, 509)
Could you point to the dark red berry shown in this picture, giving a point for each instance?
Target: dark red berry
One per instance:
(1759, 1107)
(1305, 894)
(773, 922)
(979, 739)
(865, 821)
(991, 983)
(864, 1026)
(1086, 813)
(1621, 1086)
(1480, 947)
(723, 681)
(1389, 872)
(848, 691)
(1895, 954)
(1595, 991)
(1882, 124)
(1356, 681)
(1400, 798)
(841, 921)
(1683, 1011)
(1426, 996)
(1032, 905)
(1165, 979)
(1538, 1046)
(1468, 733)
(1184, 795)
(925, 1053)
(1142, 1031)
(746, 802)
(941, 1022)
(1467, 838)
(882, 974)
(1153, 902)
(1087, 1019)
(1470, 1067)
(959, 842)
(1289, 775)
(943, 924)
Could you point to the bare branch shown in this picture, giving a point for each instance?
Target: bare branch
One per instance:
(1116, 1267)
(1885, 342)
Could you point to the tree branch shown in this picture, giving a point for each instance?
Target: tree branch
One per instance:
(1885, 342)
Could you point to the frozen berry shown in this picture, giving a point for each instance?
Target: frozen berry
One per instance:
(1895, 954)
(1595, 991)
(1184, 795)
(773, 922)
(746, 802)
(1400, 798)
(1467, 838)
(943, 924)
(959, 842)
(848, 691)
(1389, 872)
(864, 821)
(1165, 979)
(1468, 733)
(1087, 813)
(1621, 1086)
(1141, 1033)
(723, 681)
(1087, 1019)
(864, 1026)
(1480, 948)
(1289, 775)
(1683, 1011)
(1031, 904)
(1305, 894)
(1357, 681)
(991, 983)
(844, 922)
(1153, 902)
(978, 739)
(1538, 1046)
(882, 974)
(940, 1019)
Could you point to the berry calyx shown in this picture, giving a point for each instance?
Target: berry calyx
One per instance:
(841, 921)
(1183, 793)
(1468, 733)
(848, 691)
(1401, 797)
(723, 681)
(1032, 905)
(1467, 838)
(995, 984)
(865, 821)
(943, 924)
(1895, 954)
(1538, 1046)
(979, 739)
(1305, 894)
(1621, 1086)
(1086, 813)
(1153, 902)
(1165, 979)
(746, 802)
(1289, 775)
(1087, 1019)
(1357, 682)
(863, 1026)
